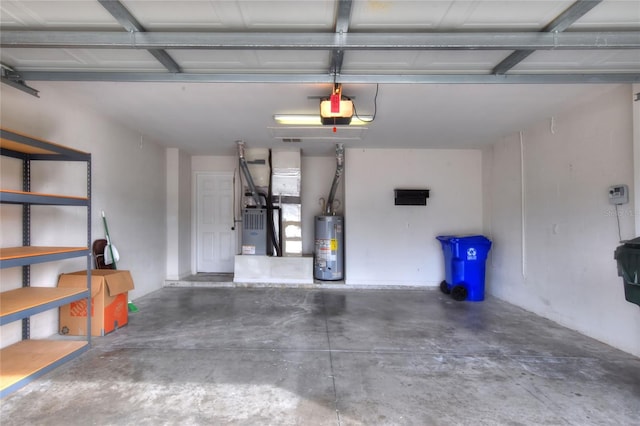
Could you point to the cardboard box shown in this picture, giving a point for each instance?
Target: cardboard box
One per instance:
(109, 302)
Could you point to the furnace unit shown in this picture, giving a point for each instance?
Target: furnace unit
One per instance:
(255, 236)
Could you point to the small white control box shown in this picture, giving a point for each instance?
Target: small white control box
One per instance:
(618, 194)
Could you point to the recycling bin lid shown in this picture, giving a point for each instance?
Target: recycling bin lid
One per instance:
(472, 239)
(445, 238)
(635, 243)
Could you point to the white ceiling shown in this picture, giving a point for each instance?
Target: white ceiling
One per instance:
(206, 118)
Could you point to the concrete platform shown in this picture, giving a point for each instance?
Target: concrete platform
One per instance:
(284, 356)
(271, 269)
(222, 280)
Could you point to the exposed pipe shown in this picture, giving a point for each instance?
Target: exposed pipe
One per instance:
(247, 174)
(275, 240)
(336, 179)
(523, 208)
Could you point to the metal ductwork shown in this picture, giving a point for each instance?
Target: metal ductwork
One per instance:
(247, 174)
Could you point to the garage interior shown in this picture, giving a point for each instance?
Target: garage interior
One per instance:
(517, 117)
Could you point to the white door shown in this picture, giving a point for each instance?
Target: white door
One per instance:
(216, 244)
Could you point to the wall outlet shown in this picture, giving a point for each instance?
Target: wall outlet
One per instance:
(618, 194)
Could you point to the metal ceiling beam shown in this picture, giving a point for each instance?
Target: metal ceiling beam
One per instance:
(131, 24)
(20, 86)
(343, 18)
(576, 11)
(321, 41)
(14, 79)
(561, 23)
(601, 78)
(122, 15)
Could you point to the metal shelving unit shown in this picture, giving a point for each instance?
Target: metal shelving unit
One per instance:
(26, 360)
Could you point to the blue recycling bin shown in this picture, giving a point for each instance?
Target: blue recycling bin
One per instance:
(464, 263)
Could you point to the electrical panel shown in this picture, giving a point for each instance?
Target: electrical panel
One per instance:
(618, 194)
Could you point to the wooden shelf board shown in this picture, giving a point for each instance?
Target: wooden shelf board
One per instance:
(21, 299)
(9, 253)
(24, 148)
(61, 198)
(28, 357)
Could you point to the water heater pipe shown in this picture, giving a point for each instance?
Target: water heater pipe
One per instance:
(336, 179)
(247, 174)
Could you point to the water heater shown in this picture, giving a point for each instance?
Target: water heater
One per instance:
(329, 248)
(328, 256)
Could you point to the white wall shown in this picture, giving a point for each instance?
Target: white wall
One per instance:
(178, 214)
(128, 184)
(210, 163)
(388, 244)
(565, 269)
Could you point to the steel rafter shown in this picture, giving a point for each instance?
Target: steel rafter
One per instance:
(584, 78)
(343, 18)
(131, 24)
(559, 24)
(321, 41)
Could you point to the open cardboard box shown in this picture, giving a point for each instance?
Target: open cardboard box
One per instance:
(109, 302)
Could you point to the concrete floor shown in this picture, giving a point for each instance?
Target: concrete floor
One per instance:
(274, 356)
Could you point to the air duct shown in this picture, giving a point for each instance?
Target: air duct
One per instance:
(247, 174)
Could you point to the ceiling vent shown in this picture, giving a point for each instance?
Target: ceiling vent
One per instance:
(291, 140)
(318, 132)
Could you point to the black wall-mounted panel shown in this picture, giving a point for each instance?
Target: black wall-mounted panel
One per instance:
(411, 197)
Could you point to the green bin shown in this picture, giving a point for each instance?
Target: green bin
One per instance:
(628, 258)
